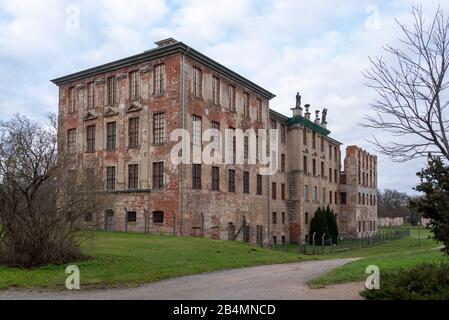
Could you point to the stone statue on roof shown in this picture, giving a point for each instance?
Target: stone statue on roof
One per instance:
(324, 115)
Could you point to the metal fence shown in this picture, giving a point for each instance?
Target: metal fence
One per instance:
(321, 246)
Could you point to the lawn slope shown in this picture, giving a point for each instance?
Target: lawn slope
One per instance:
(127, 259)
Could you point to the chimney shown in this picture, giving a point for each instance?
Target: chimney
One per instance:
(307, 114)
(297, 110)
(165, 42)
(317, 117)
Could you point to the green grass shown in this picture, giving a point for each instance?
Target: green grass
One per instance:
(127, 259)
(403, 253)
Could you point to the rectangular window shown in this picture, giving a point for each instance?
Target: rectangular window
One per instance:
(322, 169)
(283, 191)
(283, 217)
(246, 147)
(159, 79)
(196, 176)
(216, 135)
(133, 132)
(72, 100)
(246, 105)
(158, 128)
(110, 178)
(322, 144)
(315, 194)
(282, 162)
(304, 164)
(197, 82)
(335, 176)
(306, 218)
(216, 90)
(88, 217)
(231, 97)
(134, 85)
(132, 216)
(215, 179)
(283, 133)
(274, 218)
(330, 197)
(330, 175)
(304, 137)
(196, 128)
(90, 138)
(273, 190)
(336, 154)
(112, 91)
(259, 110)
(158, 175)
(231, 180)
(245, 182)
(335, 198)
(71, 141)
(342, 197)
(259, 184)
(314, 140)
(111, 135)
(314, 167)
(330, 152)
(133, 176)
(306, 193)
(324, 195)
(158, 217)
(90, 95)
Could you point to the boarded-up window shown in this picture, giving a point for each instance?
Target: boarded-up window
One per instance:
(133, 132)
(259, 184)
(197, 80)
(133, 176)
(110, 178)
(158, 175)
(111, 135)
(196, 176)
(215, 179)
(231, 180)
(159, 128)
(90, 138)
(134, 85)
(112, 91)
(245, 182)
(216, 90)
(71, 141)
(159, 79)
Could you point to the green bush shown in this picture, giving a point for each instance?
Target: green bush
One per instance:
(423, 282)
(323, 222)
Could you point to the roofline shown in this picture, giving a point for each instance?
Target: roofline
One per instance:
(155, 53)
(278, 116)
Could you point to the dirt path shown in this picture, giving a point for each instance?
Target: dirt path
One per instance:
(272, 282)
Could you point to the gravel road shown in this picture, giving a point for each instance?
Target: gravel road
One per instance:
(272, 282)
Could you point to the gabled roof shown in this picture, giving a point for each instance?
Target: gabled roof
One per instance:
(169, 49)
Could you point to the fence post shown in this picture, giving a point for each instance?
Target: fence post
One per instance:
(322, 243)
(313, 242)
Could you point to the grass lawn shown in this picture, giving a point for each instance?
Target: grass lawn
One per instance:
(390, 256)
(127, 259)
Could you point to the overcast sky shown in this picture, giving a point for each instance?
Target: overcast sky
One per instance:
(318, 48)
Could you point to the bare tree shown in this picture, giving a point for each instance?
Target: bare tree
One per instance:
(393, 203)
(412, 90)
(42, 206)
